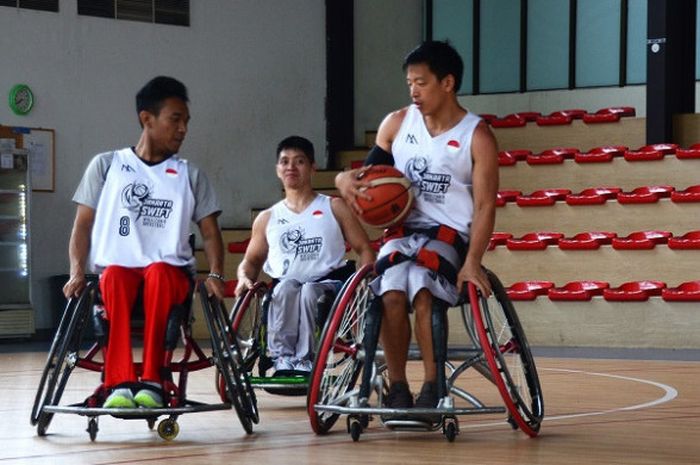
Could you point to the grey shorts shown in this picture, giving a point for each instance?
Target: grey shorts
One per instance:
(409, 277)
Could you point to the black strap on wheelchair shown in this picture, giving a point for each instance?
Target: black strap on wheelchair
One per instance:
(340, 274)
(425, 257)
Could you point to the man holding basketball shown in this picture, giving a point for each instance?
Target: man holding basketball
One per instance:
(450, 156)
(300, 241)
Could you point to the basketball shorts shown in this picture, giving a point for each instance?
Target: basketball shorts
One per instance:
(409, 277)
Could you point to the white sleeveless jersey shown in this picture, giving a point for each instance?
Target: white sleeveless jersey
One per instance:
(440, 170)
(144, 214)
(304, 246)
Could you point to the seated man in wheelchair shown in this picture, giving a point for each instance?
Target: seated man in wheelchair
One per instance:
(300, 242)
(450, 156)
(135, 208)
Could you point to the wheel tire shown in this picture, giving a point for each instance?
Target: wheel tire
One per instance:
(337, 359)
(355, 429)
(508, 356)
(450, 431)
(92, 429)
(58, 366)
(229, 362)
(168, 429)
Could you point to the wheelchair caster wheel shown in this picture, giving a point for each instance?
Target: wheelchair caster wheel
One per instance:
(450, 429)
(92, 428)
(354, 428)
(168, 429)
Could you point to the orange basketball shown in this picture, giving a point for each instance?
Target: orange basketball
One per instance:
(391, 197)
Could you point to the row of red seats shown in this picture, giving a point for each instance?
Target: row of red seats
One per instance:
(598, 196)
(602, 154)
(638, 240)
(557, 118)
(585, 290)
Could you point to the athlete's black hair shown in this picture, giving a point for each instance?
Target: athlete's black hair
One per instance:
(151, 97)
(299, 143)
(441, 58)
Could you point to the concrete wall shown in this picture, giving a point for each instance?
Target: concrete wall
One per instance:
(255, 75)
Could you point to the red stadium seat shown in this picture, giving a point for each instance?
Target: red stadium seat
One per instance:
(506, 159)
(641, 240)
(578, 290)
(635, 291)
(502, 197)
(689, 240)
(526, 115)
(666, 149)
(544, 197)
(645, 194)
(238, 246)
(690, 194)
(575, 113)
(587, 240)
(498, 238)
(601, 118)
(691, 152)
(601, 154)
(554, 120)
(622, 111)
(230, 288)
(356, 164)
(509, 121)
(528, 290)
(552, 156)
(534, 241)
(518, 154)
(488, 117)
(686, 292)
(648, 155)
(593, 196)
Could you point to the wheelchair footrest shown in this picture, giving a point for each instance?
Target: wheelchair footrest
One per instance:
(410, 425)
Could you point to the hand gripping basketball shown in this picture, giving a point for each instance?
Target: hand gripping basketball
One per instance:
(391, 197)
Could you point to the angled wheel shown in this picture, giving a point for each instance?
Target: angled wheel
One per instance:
(338, 363)
(62, 358)
(508, 356)
(246, 319)
(228, 360)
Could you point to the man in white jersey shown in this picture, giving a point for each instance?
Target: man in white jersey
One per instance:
(133, 222)
(300, 242)
(450, 155)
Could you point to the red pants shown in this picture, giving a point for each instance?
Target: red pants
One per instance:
(163, 286)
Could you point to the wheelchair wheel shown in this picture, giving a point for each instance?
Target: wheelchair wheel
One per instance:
(227, 357)
(338, 364)
(246, 318)
(61, 359)
(508, 356)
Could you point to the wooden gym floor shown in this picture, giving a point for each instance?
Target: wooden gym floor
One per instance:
(620, 410)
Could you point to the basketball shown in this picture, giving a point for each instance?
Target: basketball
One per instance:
(391, 197)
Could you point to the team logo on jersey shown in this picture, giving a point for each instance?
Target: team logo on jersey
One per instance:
(411, 139)
(128, 168)
(136, 197)
(453, 146)
(318, 214)
(431, 186)
(171, 172)
(293, 241)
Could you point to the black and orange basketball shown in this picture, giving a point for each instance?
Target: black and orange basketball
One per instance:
(391, 197)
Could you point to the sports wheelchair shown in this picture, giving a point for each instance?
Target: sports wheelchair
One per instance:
(348, 352)
(67, 352)
(249, 323)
